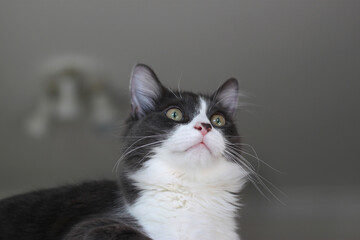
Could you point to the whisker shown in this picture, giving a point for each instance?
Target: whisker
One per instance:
(117, 164)
(139, 136)
(259, 179)
(236, 148)
(128, 151)
(141, 160)
(179, 80)
(173, 93)
(255, 156)
(263, 162)
(252, 180)
(273, 185)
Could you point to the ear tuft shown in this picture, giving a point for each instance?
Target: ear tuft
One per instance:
(227, 95)
(145, 90)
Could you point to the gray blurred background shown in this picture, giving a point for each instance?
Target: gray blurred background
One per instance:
(298, 61)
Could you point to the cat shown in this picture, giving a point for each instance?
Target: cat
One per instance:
(179, 176)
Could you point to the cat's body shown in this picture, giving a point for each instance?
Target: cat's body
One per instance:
(179, 176)
(50, 214)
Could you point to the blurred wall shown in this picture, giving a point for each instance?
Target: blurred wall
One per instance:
(299, 61)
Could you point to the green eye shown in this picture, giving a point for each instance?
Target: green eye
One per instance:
(174, 114)
(218, 120)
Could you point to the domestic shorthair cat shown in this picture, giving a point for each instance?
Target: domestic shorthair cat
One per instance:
(179, 177)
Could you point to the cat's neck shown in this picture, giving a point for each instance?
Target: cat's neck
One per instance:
(174, 204)
(222, 175)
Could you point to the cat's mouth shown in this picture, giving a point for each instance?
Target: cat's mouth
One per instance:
(200, 145)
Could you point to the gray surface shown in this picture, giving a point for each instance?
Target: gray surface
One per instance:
(299, 60)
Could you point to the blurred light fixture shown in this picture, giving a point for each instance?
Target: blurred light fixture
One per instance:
(75, 91)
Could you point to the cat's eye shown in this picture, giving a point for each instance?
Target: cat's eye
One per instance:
(174, 114)
(217, 120)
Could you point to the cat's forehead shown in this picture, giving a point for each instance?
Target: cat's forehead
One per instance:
(188, 100)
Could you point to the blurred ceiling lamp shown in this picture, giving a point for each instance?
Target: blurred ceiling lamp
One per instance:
(103, 111)
(75, 91)
(37, 124)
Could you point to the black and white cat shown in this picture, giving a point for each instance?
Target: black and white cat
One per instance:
(179, 176)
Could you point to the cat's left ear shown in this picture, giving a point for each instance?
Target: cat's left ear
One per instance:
(227, 95)
(145, 90)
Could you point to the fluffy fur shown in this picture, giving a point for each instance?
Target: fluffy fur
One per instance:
(177, 179)
(189, 195)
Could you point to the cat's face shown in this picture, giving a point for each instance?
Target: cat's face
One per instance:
(185, 130)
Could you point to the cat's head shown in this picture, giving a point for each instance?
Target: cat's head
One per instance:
(184, 130)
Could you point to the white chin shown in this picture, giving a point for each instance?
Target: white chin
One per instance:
(198, 150)
(197, 157)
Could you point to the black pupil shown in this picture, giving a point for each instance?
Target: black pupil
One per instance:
(174, 114)
(218, 121)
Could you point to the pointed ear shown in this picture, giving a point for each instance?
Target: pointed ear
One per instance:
(227, 95)
(145, 90)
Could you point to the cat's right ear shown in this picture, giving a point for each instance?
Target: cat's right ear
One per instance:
(145, 90)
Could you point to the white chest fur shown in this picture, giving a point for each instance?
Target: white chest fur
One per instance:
(176, 206)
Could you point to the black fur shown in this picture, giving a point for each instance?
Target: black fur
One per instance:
(95, 210)
(51, 214)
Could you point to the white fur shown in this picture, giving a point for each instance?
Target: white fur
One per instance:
(187, 192)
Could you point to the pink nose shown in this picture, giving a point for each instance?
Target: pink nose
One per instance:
(204, 128)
